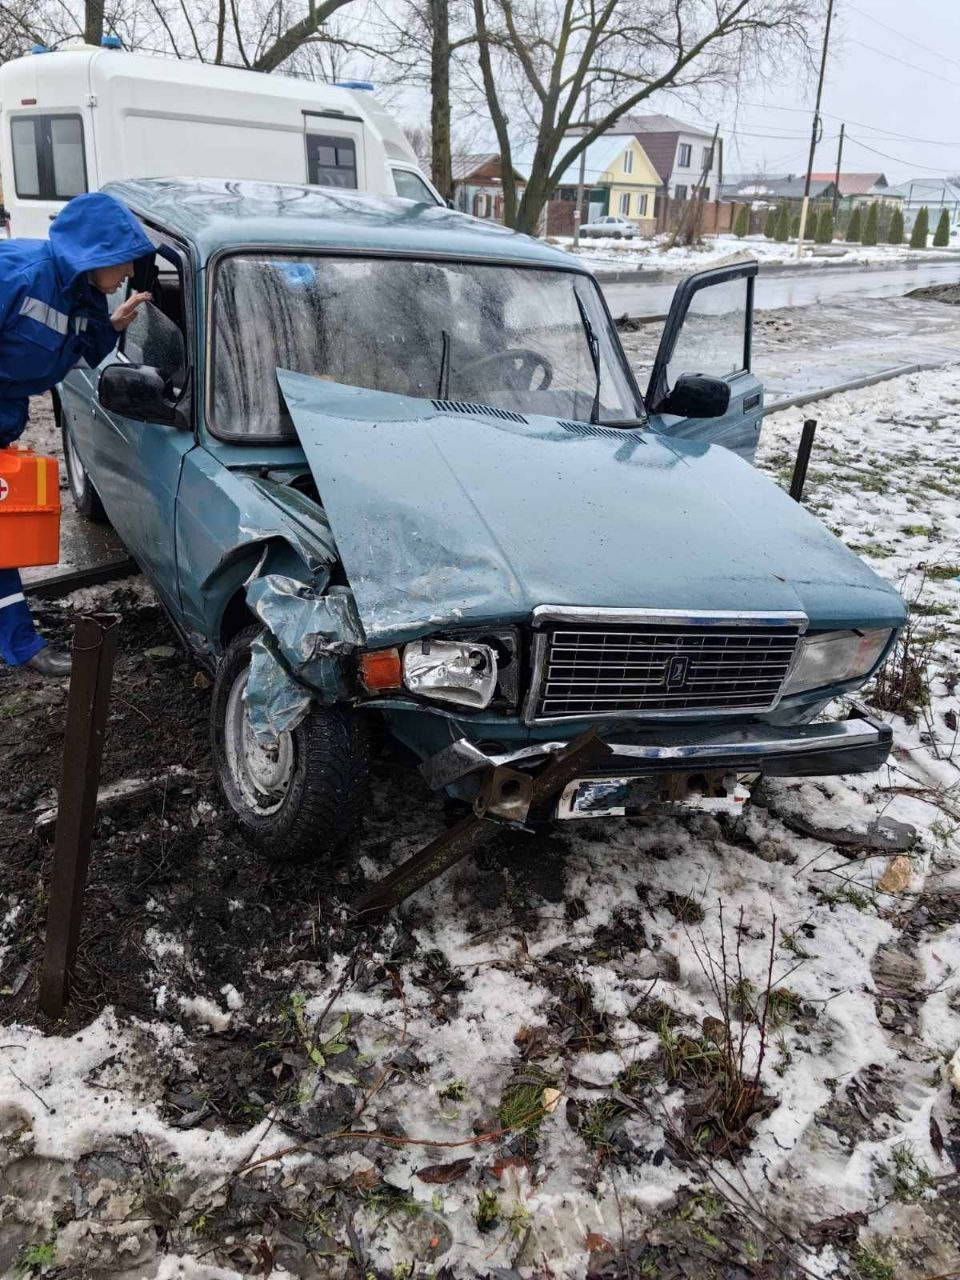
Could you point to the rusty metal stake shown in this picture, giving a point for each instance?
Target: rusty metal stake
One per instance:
(93, 647)
(803, 460)
(470, 832)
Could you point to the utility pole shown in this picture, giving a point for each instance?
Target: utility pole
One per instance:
(814, 132)
(583, 175)
(836, 185)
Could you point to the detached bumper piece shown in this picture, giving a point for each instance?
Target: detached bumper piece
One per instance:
(813, 750)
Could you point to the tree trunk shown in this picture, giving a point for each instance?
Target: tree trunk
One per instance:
(93, 21)
(441, 162)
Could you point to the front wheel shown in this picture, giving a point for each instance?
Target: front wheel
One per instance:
(302, 798)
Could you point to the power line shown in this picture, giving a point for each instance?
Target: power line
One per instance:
(903, 62)
(860, 124)
(899, 159)
(903, 36)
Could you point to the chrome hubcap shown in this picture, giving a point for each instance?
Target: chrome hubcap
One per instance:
(262, 774)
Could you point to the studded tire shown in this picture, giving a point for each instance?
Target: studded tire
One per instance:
(314, 804)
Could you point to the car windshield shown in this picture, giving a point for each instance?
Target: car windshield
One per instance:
(516, 338)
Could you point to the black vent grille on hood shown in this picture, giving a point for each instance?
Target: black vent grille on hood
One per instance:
(486, 410)
(589, 429)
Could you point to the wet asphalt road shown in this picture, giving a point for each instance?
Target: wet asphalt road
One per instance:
(804, 287)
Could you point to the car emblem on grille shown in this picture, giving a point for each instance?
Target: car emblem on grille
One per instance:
(678, 668)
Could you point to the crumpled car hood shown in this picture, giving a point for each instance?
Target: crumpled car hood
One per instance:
(447, 516)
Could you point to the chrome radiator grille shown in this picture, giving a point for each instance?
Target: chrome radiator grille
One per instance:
(604, 670)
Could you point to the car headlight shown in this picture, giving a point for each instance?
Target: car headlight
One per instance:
(835, 657)
(451, 671)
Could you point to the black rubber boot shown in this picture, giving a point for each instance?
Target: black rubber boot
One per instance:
(50, 662)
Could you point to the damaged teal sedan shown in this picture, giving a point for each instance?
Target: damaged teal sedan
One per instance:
(387, 465)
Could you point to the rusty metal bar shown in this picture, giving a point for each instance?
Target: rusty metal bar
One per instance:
(803, 460)
(452, 845)
(93, 649)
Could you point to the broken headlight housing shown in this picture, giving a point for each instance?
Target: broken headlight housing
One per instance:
(833, 657)
(457, 671)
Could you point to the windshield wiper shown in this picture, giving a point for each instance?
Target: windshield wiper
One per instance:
(593, 342)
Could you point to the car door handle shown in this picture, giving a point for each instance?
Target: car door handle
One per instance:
(751, 402)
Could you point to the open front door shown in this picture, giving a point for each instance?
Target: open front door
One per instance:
(708, 331)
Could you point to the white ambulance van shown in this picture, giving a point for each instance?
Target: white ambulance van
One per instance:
(74, 119)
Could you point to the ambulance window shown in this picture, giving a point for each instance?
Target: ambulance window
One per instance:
(66, 148)
(410, 186)
(331, 162)
(48, 159)
(26, 161)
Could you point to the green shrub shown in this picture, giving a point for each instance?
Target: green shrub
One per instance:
(770, 223)
(870, 226)
(782, 233)
(921, 229)
(895, 232)
(824, 232)
(853, 227)
(742, 224)
(941, 237)
(795, 226)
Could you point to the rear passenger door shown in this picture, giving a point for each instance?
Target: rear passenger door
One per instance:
(708, 331)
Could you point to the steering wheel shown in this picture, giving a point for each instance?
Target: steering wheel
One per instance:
(521, 361)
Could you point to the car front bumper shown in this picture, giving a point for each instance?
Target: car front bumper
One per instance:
(816, 750)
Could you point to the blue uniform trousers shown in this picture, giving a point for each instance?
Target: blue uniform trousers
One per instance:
(18, 637)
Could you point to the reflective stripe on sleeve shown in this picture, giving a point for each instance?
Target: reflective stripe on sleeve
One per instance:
(43, 313)
(14, 599)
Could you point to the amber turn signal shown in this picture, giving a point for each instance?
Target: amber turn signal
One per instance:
(381, 669)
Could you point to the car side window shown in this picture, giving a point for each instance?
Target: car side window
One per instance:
(157, 335)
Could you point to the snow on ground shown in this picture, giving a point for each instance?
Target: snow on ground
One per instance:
(522, 1074)
(653, 255)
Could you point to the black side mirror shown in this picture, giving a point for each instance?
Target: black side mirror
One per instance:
(140, 392)
(695, 395)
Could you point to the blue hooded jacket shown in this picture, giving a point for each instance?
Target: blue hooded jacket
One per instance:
(51, 318)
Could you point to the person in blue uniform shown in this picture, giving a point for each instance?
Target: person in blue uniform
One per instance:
(53, 317)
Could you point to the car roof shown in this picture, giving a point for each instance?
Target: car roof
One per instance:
(218, 214)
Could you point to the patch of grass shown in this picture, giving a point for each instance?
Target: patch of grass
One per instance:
(791, 942)
(392, 1202)
(911, 1179)
(916, 530)
(455, 1091)
(683, 908)
(902, 685)
(687, 1061)
(34, 1257)
(783, 1007)
(521, 1103)
(850, 896)
(519, 1219)
(487, 1213)
(600, 1122)
(654, 1015)
(874, 1266)
(932, 610)
(942, 572)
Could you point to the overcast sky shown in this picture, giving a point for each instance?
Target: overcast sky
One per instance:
(893, 75)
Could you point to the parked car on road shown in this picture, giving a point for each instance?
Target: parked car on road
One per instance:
(384, 463)
(610, 225)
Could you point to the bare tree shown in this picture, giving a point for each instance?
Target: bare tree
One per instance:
(536, 58)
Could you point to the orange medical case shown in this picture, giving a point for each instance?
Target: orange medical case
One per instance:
(29, 508)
